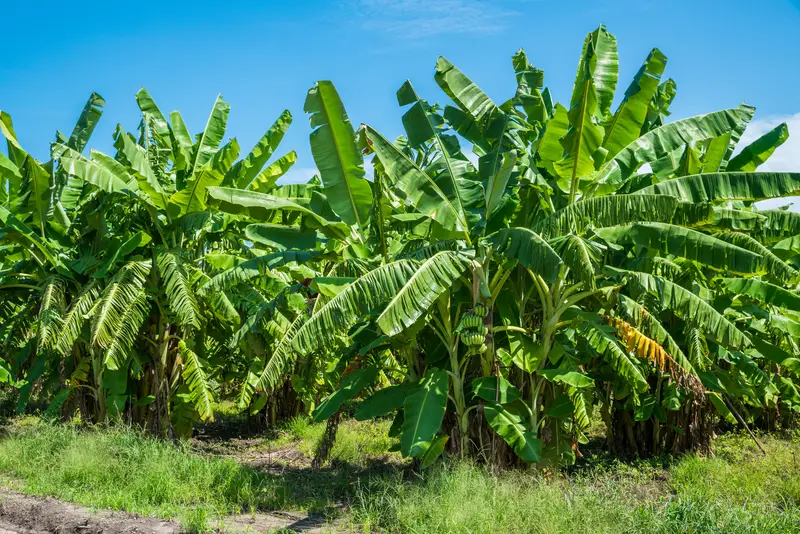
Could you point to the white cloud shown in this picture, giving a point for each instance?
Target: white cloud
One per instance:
(416, 19)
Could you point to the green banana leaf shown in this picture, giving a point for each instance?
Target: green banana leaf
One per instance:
(340, 164)
(433, 278)
(626, 125)
(757, 152)
(423, 412)
(686, 243)
(509, 426)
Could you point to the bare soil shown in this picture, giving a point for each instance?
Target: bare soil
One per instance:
(253, 452)
(27, 514)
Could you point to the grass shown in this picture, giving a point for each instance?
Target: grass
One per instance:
(123, 470)
(357, 442)
(739, 490)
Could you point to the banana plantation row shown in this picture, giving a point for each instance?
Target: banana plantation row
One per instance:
(581, 259)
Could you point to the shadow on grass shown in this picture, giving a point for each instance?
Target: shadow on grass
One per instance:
(124, 469)
(327, 491)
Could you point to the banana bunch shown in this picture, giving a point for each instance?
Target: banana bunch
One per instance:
(473, 338)
(470, 320)
(473, 331)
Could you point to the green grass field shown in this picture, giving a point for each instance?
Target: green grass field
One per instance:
(740, 490)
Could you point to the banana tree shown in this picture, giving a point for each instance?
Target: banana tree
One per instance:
(38, 247)
(328, 232)
(536, 295)
(138, 333)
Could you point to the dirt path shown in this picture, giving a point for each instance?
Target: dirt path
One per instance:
(26, 514)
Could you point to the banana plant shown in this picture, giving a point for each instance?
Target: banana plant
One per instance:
(39, 249)
(537, 292)
(136, 332)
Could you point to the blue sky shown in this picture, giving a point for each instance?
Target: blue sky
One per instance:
(263, 56)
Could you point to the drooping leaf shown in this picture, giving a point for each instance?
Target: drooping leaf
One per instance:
(120, 252)
(133, 317)
(51, 308)
(775, 266)
(686, 243)
(276, 369)
(279, 236)
(180, 295)
(262, 207)
(434, 451)
(495, 389)
(423, 412)
(431, 280)
(570, 378)
(529, 249)
(614, 210)
(381, 403)
(88, 170)
(75, 317)
(762, 292)
(659, 142)
(254, 267)
(197, 379)
(510, 427)
(614, 354)
(728, 186)
(686, 305)
(639, 317)
(345, 309)
(123, 289)
(580, 255)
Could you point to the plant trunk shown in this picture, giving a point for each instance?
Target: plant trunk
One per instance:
(325, 447)
(687, 430)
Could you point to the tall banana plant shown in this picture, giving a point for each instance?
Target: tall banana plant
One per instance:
(136, 333)
(38, 247)
(318, 237)
(540, 287)
(580, 258)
